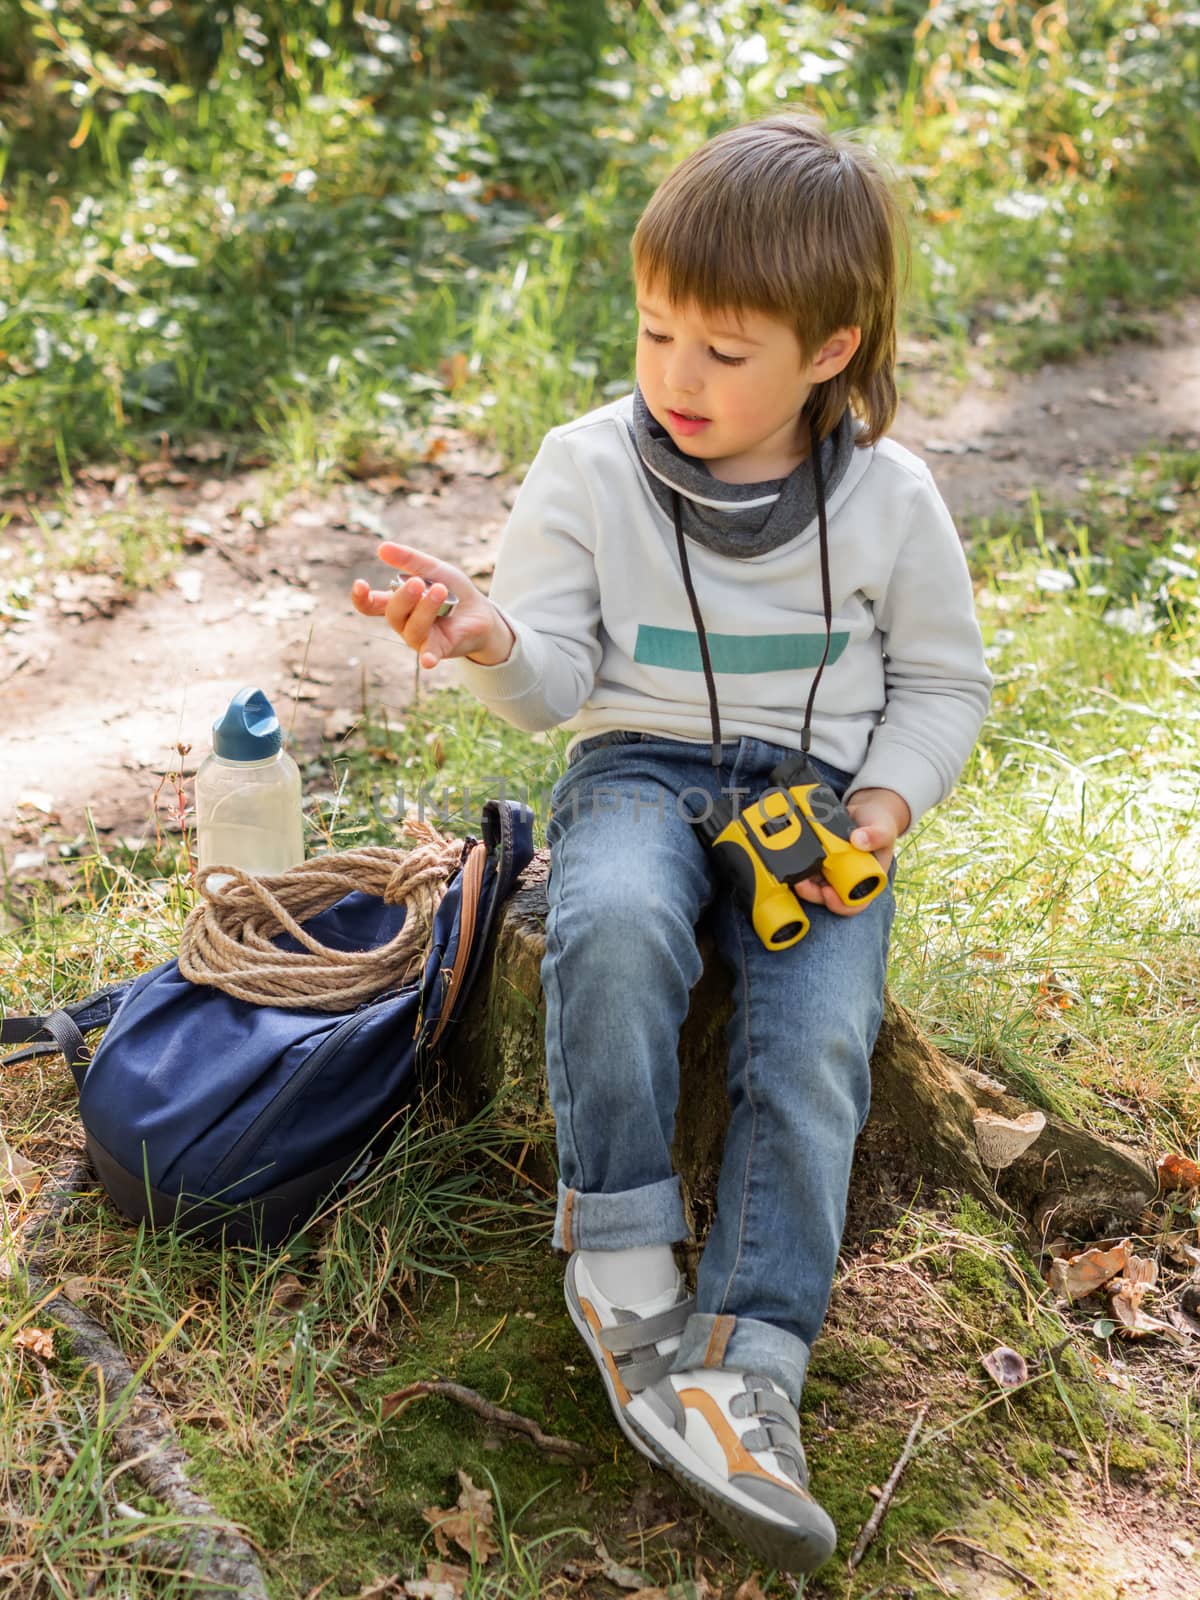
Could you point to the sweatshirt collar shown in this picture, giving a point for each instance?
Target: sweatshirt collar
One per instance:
(735, 519)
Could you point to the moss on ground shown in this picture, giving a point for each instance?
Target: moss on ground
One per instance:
(341, 1491)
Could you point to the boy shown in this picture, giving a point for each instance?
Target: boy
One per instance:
(745, 487)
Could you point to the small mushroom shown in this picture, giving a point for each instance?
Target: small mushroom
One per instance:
(981, 1081)
(1007, 1366)
(1000, 1140)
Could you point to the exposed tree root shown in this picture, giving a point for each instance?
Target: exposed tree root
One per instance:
(212, 1550)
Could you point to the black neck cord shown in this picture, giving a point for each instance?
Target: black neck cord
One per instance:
(826, 597)
(705, 659)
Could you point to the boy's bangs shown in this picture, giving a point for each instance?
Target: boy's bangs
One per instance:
(708, 285)
(706, 260)
(702, 280)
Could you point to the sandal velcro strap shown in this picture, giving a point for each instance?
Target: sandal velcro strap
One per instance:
(644, 1331)
(639, 1375)
(768, 1405)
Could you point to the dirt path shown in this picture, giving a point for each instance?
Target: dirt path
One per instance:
(94, 705)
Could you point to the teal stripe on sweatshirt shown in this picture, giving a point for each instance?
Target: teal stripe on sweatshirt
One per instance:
(735, 652)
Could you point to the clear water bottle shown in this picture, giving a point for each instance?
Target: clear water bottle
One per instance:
(248, 812)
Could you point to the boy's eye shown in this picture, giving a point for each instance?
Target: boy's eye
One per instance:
(665, 338)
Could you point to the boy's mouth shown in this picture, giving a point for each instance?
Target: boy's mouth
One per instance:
(686, 421)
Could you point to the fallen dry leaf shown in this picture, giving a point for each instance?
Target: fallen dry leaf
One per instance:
(1086, 1272)
(339, 723)
(1179, 1318)
(1177, 1172)
(447, 1572)
(288, 1293)
(38, 800)
(1110, 1374)
(1007, 1366)
(77, 1290)
(93, 594)
(1127, 1294)
(1178, 1252)
(749, 1591)
(388, 483)
(467, 1523)
(204, 448)
(17, 1176)
(38, 1341)
(442, 1581)
(301, 669)
(623, 1577)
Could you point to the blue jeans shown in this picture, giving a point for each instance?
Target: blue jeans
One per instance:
(628, 879)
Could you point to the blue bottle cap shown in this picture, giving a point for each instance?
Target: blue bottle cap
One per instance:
(249, 730)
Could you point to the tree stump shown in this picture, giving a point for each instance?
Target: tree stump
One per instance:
(920, 1132)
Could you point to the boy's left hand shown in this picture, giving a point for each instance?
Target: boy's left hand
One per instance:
(880, 817)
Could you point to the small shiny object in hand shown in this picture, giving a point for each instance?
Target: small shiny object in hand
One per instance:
(447, 605)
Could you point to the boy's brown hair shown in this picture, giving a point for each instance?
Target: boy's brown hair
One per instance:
(782, 217)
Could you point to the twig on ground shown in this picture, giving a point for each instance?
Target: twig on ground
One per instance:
(1187, 1438)
(240, 564)
(871, 1526)
(989, 1555)
(489, 1411)
(1108, 1494)
(143, 1438)
(924, 1566)
(15, 667)
(68, 1449)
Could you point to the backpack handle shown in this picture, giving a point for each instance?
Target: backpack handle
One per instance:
(63, 1030)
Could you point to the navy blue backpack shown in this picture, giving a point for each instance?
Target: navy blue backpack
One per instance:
(234, 1119)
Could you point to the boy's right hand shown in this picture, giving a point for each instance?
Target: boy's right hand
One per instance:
(473, 628)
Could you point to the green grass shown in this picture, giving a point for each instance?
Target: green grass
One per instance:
(1049, 921)
(331, 231)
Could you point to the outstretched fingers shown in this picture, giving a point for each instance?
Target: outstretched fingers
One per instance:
(413, 614)
(369, 602)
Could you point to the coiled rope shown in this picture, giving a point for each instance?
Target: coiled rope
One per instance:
(228, 937)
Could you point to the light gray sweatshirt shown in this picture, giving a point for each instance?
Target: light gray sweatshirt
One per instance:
(588, 578)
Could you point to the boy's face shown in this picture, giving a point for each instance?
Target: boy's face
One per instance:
(729, 388)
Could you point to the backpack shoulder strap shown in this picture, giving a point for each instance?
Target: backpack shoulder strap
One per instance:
(63, 1030)
(507, 843)
(472, 883)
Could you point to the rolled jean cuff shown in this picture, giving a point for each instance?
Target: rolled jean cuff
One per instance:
(652, 1214)
(740, 1344)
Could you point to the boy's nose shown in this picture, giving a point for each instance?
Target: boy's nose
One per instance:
(683, 377)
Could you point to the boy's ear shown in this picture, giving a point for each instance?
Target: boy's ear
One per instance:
(836, 353)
